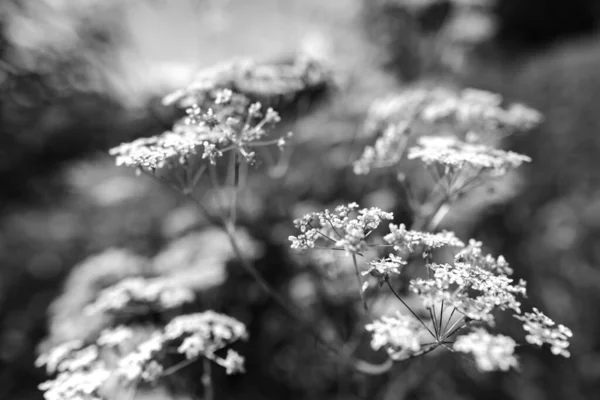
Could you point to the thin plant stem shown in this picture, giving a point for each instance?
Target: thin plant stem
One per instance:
(360, 283)
(234, 175)
(458, 329)
(449, 319)
(322, 234)
(177, 367)
(433, 322)
(441, 318)
(437, 343)
(438, 217)
(214, 180)
(410, 309)
(187, 194)
(458, 321)
(207, 380)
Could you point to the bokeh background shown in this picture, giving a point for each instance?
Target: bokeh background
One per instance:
(77, 77)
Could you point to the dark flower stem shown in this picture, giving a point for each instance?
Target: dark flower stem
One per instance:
(360, 283)
(207, 380)
(410, 309)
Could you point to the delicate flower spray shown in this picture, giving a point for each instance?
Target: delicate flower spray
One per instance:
(460, 295)
(225, 131)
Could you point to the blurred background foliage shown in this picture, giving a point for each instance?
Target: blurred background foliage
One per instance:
(79, 77)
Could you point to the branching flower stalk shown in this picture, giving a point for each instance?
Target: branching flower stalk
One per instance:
(472, 285)
(195, 147)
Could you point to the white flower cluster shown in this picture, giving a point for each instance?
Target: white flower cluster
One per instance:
(81, 385)
(83, 370)
(408, 240)
(256, 80)
(135, 295)
(470, 113)
(398, 335)
(338, 227)
(491, 352)
(468, 116)
(193, 335)
(142, 364)
(470, 289)
(215, 130)
(385, 267)
(403, 108)
(80, 372)
(115, 337)
(477, 113)
(454, 155)
(541, 329)
(473, 254)
(156, 152)
(388, 150)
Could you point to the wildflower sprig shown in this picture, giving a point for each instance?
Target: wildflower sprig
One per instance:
(473, 291)
(458, 167)
(80, 372)
(543, 330)
(384, 268)
(387, 151)
(399, 335)
(491, 352)
(83, 370)
(405, 240)
(256, 80)
(452, 133)
(460, 296)
(470, 114)
(193, 336)
(346, 228)
(473, 287)
(208, 133)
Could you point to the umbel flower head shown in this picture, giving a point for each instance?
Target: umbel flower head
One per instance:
(542, 330)
(452, 154)
(192, 335)
(458, 166)
(409, 240)
(208, 133)
(346, 228)
(388, 150)
(83, 371)
(473, 291)
(472, 116)
(469, 114)
(256, 80)
(398, 335)
(491, 352)
(384, 268)
(80, 372)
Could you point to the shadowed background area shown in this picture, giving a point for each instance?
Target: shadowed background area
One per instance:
(77, 79)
